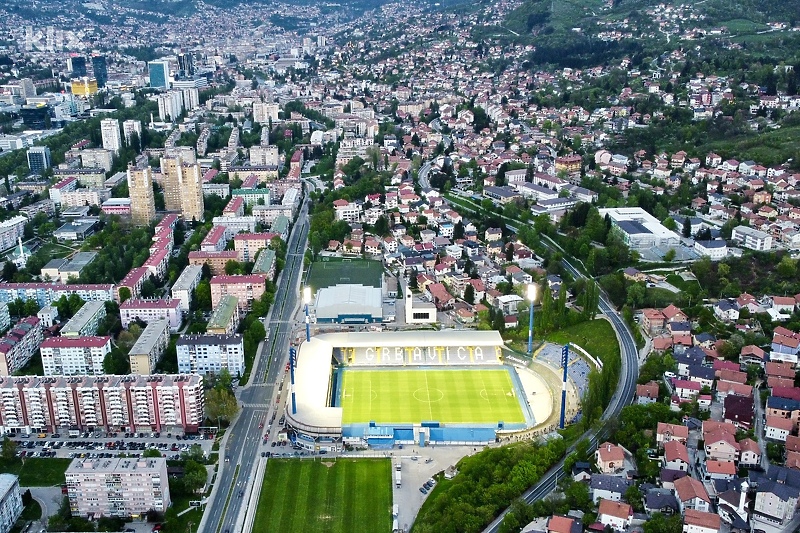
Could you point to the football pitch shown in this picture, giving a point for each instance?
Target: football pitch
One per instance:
(343, 496)
(480, 396)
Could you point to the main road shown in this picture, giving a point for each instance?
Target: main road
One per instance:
(258, 397)
(626, 387)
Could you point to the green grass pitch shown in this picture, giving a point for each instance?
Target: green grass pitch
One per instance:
(352, 495)
(479, 396)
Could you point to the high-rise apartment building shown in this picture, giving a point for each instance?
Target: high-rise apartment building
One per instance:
(77, 66)
(38, 159)
(117, 487)
(109, 130)
(172, 168)
(114, 403)
(69, 356)
(263, 113)
(191, 189)
(100, 70)
(140, 189)
(159, 74)
(129, 127)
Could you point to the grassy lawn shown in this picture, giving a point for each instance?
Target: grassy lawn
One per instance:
(32, 511)
(345, 496)
(737, 26)
(332, 271)
(656, 297)
(596, 337)
(37, 471)
(411, 396)
(678, 282)
(55, 250)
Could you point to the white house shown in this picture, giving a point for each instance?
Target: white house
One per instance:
(617, 515)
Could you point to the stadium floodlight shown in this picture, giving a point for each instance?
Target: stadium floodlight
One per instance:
(531, 298)
(307, 300)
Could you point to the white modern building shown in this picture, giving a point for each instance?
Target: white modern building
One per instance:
(203, 354)
(639, 229)
(69, 356)
(752, 238)
(714, 250)
(148, 310)
(10, 501)
(117, 486)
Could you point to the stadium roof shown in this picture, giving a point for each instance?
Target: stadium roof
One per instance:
(333, 302)
(412, 338)
(312, 379)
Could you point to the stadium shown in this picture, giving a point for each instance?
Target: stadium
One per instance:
(410, 387)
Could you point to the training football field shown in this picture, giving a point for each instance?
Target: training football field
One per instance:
(342, 496)
(410, 396)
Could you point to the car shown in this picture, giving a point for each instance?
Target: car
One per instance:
(432, 482)
(241, 493)
(273, 444)
(227, 459)
(157, 527)
(263, 454)
(423, 490)
(261, 424)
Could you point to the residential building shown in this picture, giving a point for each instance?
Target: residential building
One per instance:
(47, 293)
(669, 432)
(610, 458)
(86, 321)
(69, 356)
(714, 250)
(112, 403)
(184, 286)
(10, 501)
(82, 197)
(129, 127)
(615, 515)
(38, 159)
(247, 245)
(140, 189)
(752, 238)
(203, 354)
(133, 281)
(11, 231)
(172, 170)
(252, 196)
(691, 495)
(109, 131)
(120, 487)
(224, 319)
(5, 317)
(265, 263)
(639, 229)
(236, 224)
(18, 345)
(607, 487)
(676, 456)
(700, 522)
(96, 158)
(216, 261)
(776, 496)
(245, 288)
(149, 347)
(148, 310)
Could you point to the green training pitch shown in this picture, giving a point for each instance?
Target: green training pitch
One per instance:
(479, 396)
(348, 495)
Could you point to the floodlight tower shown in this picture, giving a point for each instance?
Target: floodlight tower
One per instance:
(531, 298)
(306, 301)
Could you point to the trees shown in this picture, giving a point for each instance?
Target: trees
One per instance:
(9, 449)
(124, 294)
(195, 476)
(469, 294)
(116, 362)
(202, 295)
(221, 405)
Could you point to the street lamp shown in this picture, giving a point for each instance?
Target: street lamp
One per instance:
(307, 300)
(531, 298)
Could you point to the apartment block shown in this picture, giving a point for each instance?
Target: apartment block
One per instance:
(171, 402)
(47, 293)
(247, 245)
(11, 230)
(752, 238)
(245, 288)
(18, 345)
(191, 191)
(235, 224)
(70, 356)
(133, 281)
(225, 318)
(129, 127)
(97, 158)
(117, 486)
(216, 261)
(10, 501)
(252, 196)
(81, 197)
(140, 189)
(63, 186)
(86, 321)
(184, 286)
(203, 354)
(149, 310)
(109, 131)
(149, 348)
(265, 263)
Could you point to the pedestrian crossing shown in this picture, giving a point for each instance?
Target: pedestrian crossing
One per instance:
(256, 405)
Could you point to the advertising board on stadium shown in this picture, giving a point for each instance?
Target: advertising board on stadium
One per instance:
(424, 355)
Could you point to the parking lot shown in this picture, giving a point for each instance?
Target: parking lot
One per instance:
(102, 444)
